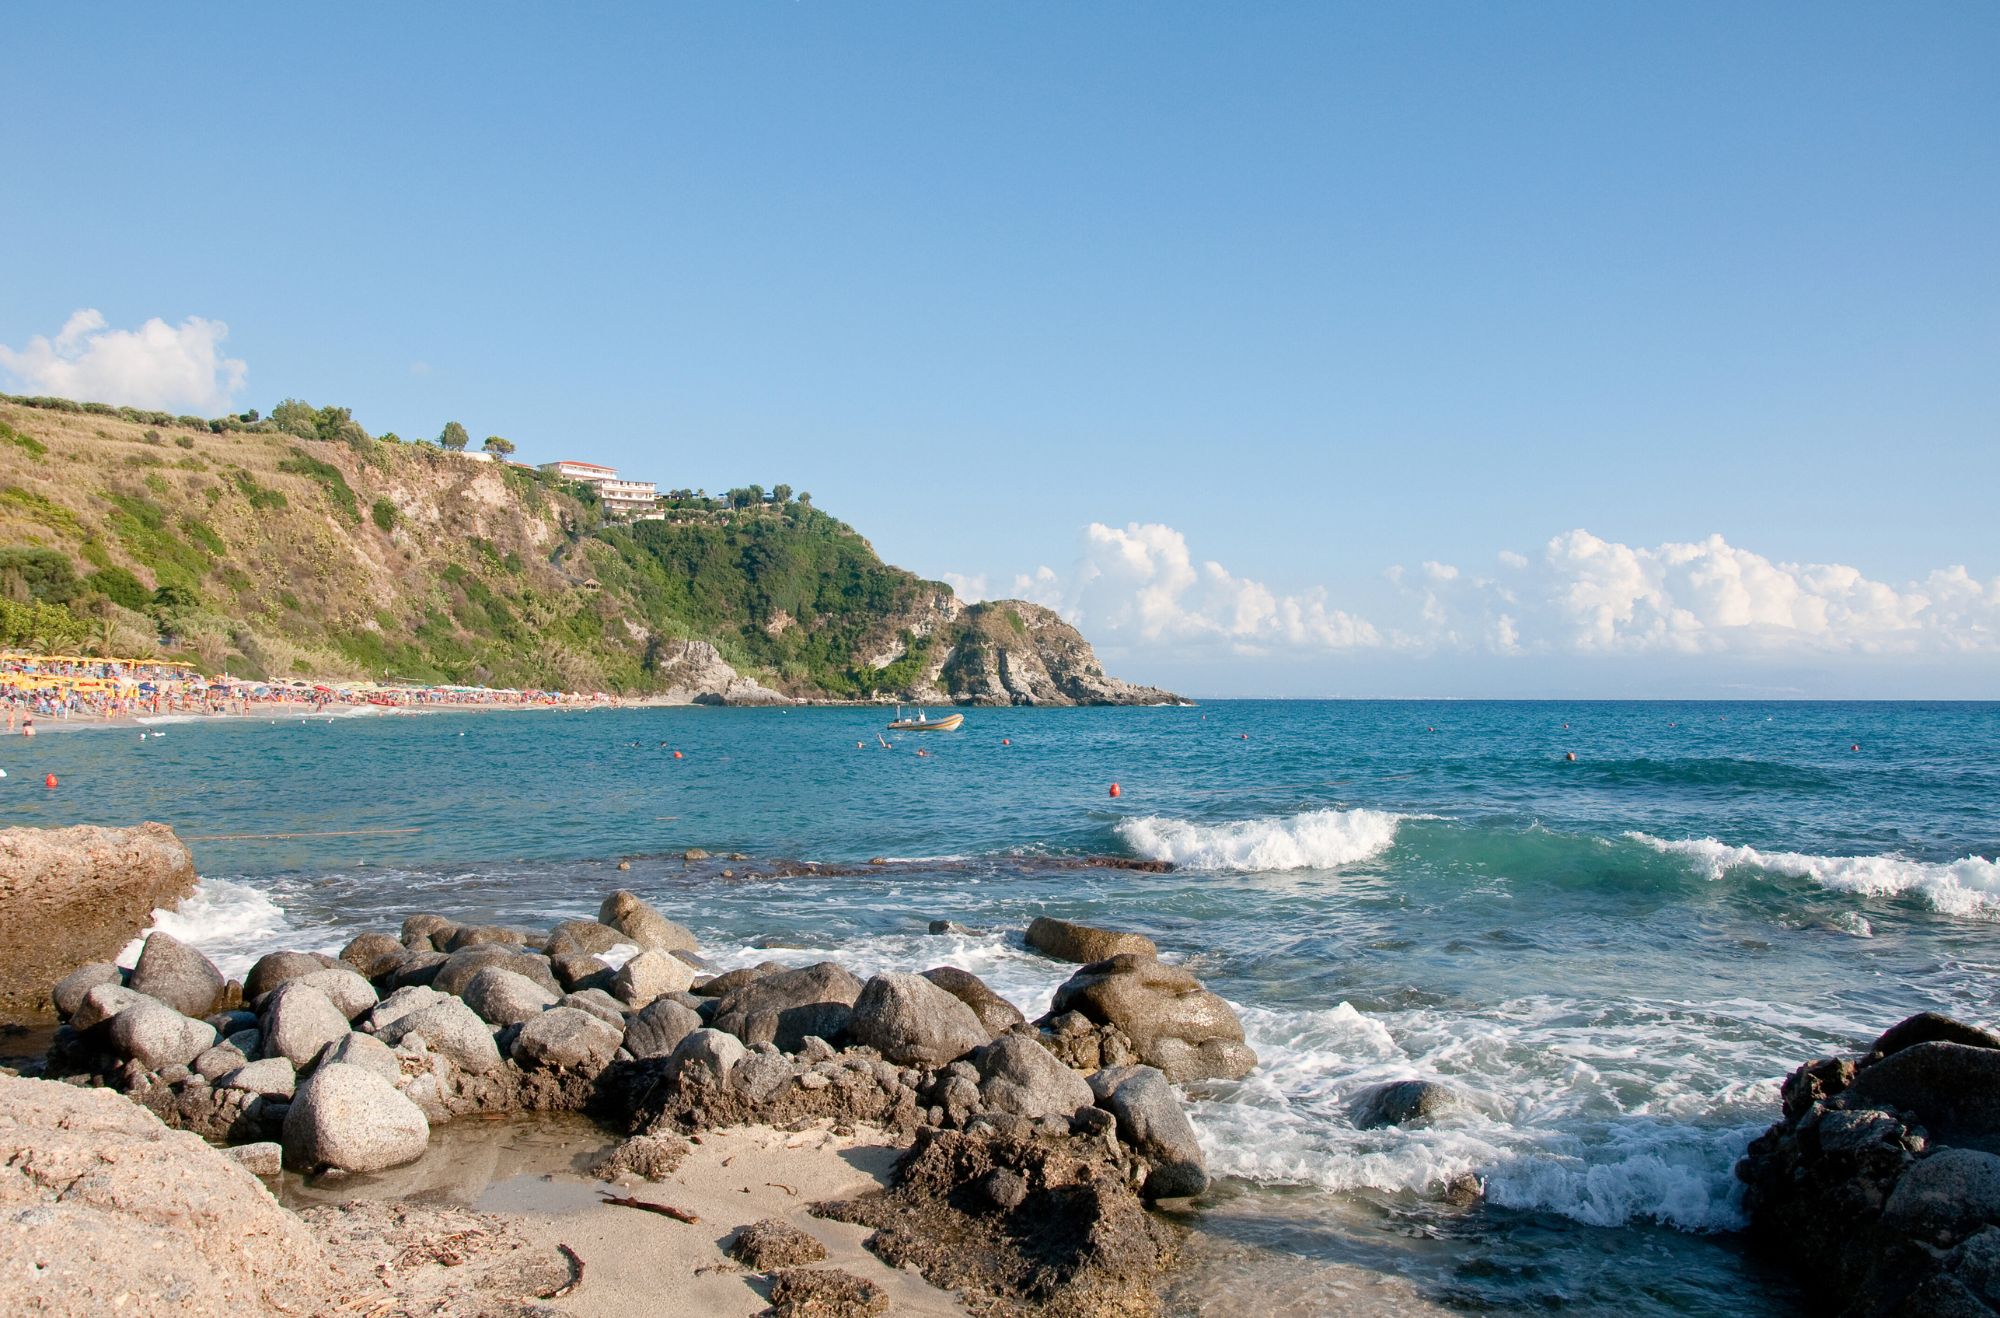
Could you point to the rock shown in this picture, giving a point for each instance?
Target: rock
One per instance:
(107, 1211)
(483, 935)
(264, 1158)
(694, 853)
(626, 912)
(373, 954)
(418, 969)
(585, 936)
(273, 1075)
(1175, 1023)
(155, 1036)
(705, 1056)
(1401, 1102)
(1945, 1198)
(398, 1005)
(177, 975)
(69, 990)
(784, 1008)
(103, 1002)
(1953, 1089)
(1019, 1076)
(599, 1004)
(452, 1030)
(275, 969)
(825, 1293)
(565, 1039)
(1066, 940)
(769, 1244)
(1152, 1121)
(459, 968)
(368, 1052)
(995, 1013)
(949, 927)
(502, 997)
(1929, 1027)
(72, 897)
(650, 974)
(351, 1119)
(648, 1157)
(576, 971)
(913, 1022)
(214, 1063)
(345, 988)
(656, 1029)
(428, 931)
(298, 1021)
(728, 981)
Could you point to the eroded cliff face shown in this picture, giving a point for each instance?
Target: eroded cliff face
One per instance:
(1010, 652)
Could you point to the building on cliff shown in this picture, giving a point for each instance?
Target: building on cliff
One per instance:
(624, 498)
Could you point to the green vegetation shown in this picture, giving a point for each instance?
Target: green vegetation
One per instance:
(34, 446)
(301, 463)
(454, 437)
(384, 514)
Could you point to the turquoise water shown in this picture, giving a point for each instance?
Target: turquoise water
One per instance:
(1614, 960)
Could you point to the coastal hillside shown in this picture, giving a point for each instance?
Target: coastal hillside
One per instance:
(269, 554)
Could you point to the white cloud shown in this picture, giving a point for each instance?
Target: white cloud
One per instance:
(971, 589)
(1508, 558)
(157, 365)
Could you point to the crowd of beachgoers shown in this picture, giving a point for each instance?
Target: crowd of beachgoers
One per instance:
(58, 688)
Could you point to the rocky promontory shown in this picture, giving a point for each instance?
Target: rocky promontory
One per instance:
(1880, 1185)
(1033, 1149)
(72, 896)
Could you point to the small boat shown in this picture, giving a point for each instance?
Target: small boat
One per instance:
(925, 723)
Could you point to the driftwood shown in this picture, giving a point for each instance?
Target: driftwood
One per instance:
(575, 1275)
(664, 1210)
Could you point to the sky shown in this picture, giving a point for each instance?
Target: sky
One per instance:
(1297, 350)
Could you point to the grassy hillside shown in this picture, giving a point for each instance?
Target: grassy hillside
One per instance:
(274, 555)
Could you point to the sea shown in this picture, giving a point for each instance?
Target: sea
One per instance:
(1613, 960)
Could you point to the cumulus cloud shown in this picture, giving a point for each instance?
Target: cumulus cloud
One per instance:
(172, 368)
(1583, 595)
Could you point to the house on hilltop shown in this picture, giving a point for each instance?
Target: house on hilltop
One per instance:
(624, 498)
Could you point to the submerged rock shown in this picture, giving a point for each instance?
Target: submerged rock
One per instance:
(1401, 1102)
(1065, 940)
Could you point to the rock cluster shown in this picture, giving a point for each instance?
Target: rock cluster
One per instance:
(1881, 1182)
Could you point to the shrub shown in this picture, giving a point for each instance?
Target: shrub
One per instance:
(185, 441)
(40, 574)
(12, 436)
(302, 463)
(120, 587)
(259, 496)
(384, 514)
(454, 437)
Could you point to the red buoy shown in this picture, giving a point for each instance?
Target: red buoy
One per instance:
(1855, 747)
(1114, 788)
(50, 781)
(1571, 757)
(1006, 741)
(677, 755)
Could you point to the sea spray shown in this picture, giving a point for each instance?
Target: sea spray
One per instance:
(1969, 886)
(1316, 839)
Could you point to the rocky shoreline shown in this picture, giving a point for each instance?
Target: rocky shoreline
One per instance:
(1033, 1150)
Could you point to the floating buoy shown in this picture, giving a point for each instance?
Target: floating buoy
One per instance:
(1006, 741)
(1430, 729)
(3, 773)
(857, 745)
(1855, 747)
(49, 781)
(677, 755)
(1571, 757)
(1114, 789)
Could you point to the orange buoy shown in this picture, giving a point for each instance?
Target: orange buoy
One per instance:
(1243, 736)
(857, 745)
(50, 781)
(1855, 747)
(1114, 790)
(677, 755)
(1571, 757)
(1006, 741)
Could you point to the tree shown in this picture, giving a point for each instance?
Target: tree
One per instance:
(498, 446)
(296, 418)
(782, 493)
(337, 425)
(454, 437)
(806, 498)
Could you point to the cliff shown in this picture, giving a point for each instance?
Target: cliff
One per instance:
(269, 555)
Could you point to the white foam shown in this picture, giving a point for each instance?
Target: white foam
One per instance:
(1965, 887)
(232, 924)
(1316, 839)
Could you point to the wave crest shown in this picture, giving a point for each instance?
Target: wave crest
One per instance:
(1967, 887)
(1317, 839)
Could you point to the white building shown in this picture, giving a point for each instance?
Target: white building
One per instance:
(623, 497)
(588, 472)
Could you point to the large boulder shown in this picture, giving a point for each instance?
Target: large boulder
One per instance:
(351, 1119)
(649, 975)
(373, 954)
(274, 1077)
(913, 1022)
(345, 988)
(599, 1004)
(656, 1029)
(459, 968)
(103, 1001)
(1173, 1022)
(450, 1029)
(502, 997)
(427, 931)
(643, 926)
(994, 1012)
(177, 975)
(705, 1056)
(69, 990)
(1945, 1198)
(788, 1007)
(586, 936)
(1953, 1090)
(368, 1052)
(1018, 1075)
(298, 1020)
(274, 969)
(1065, 940)
(156, 1036)
(484, 935)
(105, 1206)
(1152, 1121)
(567, 1039)
(73, 896)
(398, 1005)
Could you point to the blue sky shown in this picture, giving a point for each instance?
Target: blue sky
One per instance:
(1311, 293)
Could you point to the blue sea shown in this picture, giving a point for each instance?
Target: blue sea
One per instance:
(1613, 959)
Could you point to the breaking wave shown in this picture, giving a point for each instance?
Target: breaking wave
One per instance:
(1969, 886)
(1316, 839)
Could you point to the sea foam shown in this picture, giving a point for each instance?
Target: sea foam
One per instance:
(1966, 887)
(1316, 839)
(232, 924)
